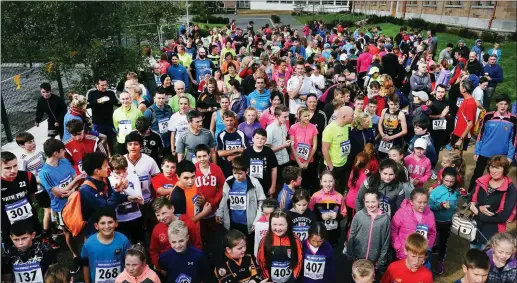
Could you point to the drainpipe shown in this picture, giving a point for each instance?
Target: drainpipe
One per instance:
(397, 8)
(493, 16)
(404, 10)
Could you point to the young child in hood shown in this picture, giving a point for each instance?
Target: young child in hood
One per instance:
(418, 165)
(414, 215)
(420, 109)
(421, 131)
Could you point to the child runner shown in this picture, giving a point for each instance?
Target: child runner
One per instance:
(421, 131)
(375, 223)
(414, 215)
(318, 257)
(363, 271)
(268, 116)
(103, 253)
(280, 252)
(411, 268)
(293, 179)
(476, 265)
(183, 262)
(136, 268)
(454, 160)
(443, 201)
(58, 273)
(242, 201)
(386, 182)
(356, 179)
(503, 265)
(262, 226)
(418, 165)
(163, 183)
(230, 142)
(32, 161)
(129, 215)
(303, 218)
(327, 205)
(250, 124)
(277, 138)
(237, 265)
(263, 162)
(28, 260)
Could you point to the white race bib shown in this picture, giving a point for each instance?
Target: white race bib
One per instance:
(107, 271)
(280, 271)
(345, 148)
(440, 124)
(257, 169)
(27, 272)
(18, 210)
(314, 267)
(80, 166)
(385, 146)
(124, 127)
(238, 200)
(459, 102)
(301, 232)
(231, 145)
(163, 125)
(331, 224)
(193, 158)
(384, 205)
(422, 229)
(302, 150)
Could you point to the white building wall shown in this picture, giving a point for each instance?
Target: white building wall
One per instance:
(281, 5)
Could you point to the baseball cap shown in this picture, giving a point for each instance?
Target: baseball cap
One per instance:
(422, 95)
(373, 70)
(420, 143)
(388, 47)
(343, 57)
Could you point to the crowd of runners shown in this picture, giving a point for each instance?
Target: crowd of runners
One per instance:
(258, 154)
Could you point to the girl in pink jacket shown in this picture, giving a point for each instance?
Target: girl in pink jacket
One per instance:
(418, 165)
(414, 215)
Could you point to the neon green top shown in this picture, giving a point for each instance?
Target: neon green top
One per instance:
(339, 142)
(124, 121)
(175, 105)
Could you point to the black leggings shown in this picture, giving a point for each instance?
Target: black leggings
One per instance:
(443, 230)
(481, 165)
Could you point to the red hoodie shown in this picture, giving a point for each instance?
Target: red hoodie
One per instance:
(211, 185)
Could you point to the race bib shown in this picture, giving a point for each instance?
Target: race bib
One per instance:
(183, 278)
(64, 183)
(28, 272)
(385, 146)
(384, 205)
(440, 124)
(301, 232)
(196, 207)
(163, 125)
(18, 210)
(302, 150)
(80, 166)
(57, 217)
(257, 169)
(459, 102)
(331, 224)
(422, 229)
(237, 200)
(280, 271)
(231, 145)
(124, 127)
(314, 266)
(345, 148)
(107, 271)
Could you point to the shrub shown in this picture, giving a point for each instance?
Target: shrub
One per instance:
(466, 33)
(489, 36)
(275, 19)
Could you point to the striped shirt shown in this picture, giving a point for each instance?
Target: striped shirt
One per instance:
(32, 162)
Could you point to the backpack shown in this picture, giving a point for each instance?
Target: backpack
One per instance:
(72, 213)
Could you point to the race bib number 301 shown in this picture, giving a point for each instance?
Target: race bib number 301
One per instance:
(27, 272)
(107, 271)
(19, 210)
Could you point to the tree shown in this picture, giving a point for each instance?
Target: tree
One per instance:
(76, 32)
(299, 6)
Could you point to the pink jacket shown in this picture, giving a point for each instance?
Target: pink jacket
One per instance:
(419, 170)
(405, 223)
(363, 62)
(147, 276)
(353, 189)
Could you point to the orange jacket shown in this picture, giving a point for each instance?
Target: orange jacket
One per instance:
(282, 242)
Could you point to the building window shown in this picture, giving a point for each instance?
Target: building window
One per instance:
(429, 3)
(454, 4)
(327, 2)
(383, 3)
(412, 3)
(483, 4)
(286, 2)
(341, 3)
(272, 1)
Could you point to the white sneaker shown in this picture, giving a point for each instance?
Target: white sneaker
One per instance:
(344, 250)
(433, 176)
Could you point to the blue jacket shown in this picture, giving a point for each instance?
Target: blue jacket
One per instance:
(478, 50)
(259, 100)
(430, 151)
(302, 51)
(495, 72)
(178, 73)
(324, 254)
(92, 200)
(497, 136)
(239, 105)
(443, 194)
(160, 120)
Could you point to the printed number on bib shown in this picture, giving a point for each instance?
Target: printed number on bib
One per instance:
(107, 271)
(257, 169)
(301, 232)
(18, 210)
(280, 271)
(314, 267)
(345, 148)
(440, 124)
(163, 125)
(331, 224)
(385, 146)
(238, 200)
(231, 145)
(183, 278)
(422, 229)
(459, 102)
(302, 151)
(125, 127)
(28, 272)
(384, 205)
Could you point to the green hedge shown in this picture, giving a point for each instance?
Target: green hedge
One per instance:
(211, 19)
(275, 19)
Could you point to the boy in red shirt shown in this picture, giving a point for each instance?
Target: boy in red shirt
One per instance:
(411, 269)
(164, 212)
(163, 183)
(465, 118)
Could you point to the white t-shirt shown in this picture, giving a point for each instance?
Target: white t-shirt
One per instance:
(133, 189)
(261, 228)
(276, 136)
(307, 87)
(178, 124)
(319, 83)
(478, 95)
(144, 168)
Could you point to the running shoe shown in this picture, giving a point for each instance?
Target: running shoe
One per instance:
(439, 268)
(76, 266)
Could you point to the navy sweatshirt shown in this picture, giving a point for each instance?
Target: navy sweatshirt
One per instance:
(313, 270)
(189, 266)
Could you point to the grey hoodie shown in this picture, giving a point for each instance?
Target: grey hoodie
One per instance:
(393, 192)
(369, 237)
